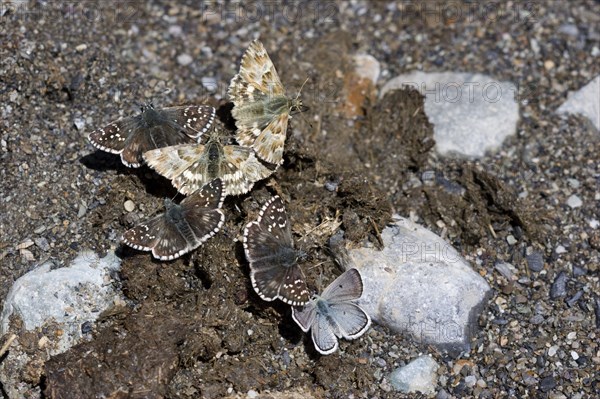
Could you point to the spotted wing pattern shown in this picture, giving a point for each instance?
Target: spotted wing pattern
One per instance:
(183, 227)
(268, 244)
(190, 166)
(153, 128)
(261, 108)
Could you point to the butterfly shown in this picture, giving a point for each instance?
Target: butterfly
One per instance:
(190, 166)
(274, 270)
(153, 128)
(333, 315)
(183, 227)
(261, 108)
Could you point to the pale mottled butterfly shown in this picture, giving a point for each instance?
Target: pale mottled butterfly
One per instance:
(333, 315)
(183, 227)
(269, 248)
(190, 166)
(153, 128)
(261, 108)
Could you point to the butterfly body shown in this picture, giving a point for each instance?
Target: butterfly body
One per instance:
(190, 166)
(153, 128)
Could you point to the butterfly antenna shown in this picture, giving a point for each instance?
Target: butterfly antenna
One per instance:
(301, 87)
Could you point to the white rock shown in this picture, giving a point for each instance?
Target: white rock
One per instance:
(129, 205)
(471, 113)
(417, 376)
(585, 101)
(184, 59)
(367, 66)
(574, 201)
(209, 83)
(59, 298)
(418, 284)
(68, 295)
(79, 123)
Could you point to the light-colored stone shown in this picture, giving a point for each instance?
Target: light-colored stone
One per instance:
(417, 376)
(471, 113)
(54, 302)
(574, 201)
(367, 67)
(420, 285)
(129, 205)
(184, 59)
(585, 101)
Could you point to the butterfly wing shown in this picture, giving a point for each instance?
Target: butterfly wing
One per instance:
(268, 245)
(324, 335)
(304, 316)
(145, 236)
(351, 320)
(112, 137)
(257, 78)
(158, 236)
(182, 164)
(240, 169)
(271, 140)
(193, 120)
(202, 211)
(347, 287)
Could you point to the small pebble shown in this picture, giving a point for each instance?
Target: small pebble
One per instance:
(129, 206)
(560, 250)
(331, 186)
(184, 59)
(79, 123)
(209, 83)
(470, 380)
(25, 244)
(547, 384)
(574, 201)
(535, 261)
(597, 310)
(574, 183)
(81, 47)
(252, 394)
(81, 211)
(579, 271)
(511, 240)
(559, 286)
(25, 253)
(552, 350)
(574, 355)
(42, 243)
(175, 30)
(505, 269)
(575, 298)
(572, 335)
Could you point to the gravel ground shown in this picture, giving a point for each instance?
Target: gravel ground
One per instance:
(67, 68)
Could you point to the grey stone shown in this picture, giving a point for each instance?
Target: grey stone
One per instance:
(585, 101)
(535, 261)
(417, 376)
(471, 113)
(574, 201)
(420, 285)
(62, 298)
(184, 59)
(558, 288)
